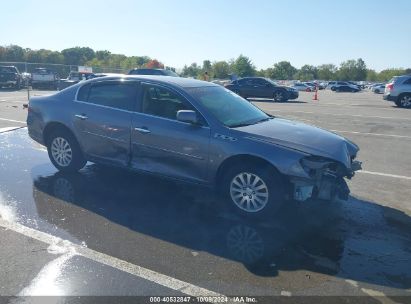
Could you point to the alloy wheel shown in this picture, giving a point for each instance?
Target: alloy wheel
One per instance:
(61, 151)
(406, 101)
(249, 192)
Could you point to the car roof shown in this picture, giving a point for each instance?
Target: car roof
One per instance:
(177, 81)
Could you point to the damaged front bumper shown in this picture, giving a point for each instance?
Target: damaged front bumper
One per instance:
(324, 184)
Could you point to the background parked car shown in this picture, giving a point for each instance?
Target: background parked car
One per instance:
(159, 72)
(262, 88)
(331, 84)
(299, 86)
(398, 90)
(312, 85)
(343, 86)
(10, 77)
(44, 78)
(73, 78)
(379, 89)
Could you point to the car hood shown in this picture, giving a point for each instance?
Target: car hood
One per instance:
(302, 137)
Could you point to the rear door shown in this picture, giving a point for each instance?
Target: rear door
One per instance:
(163, 145)
(102, 119)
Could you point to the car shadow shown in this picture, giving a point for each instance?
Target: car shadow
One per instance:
(357, 240)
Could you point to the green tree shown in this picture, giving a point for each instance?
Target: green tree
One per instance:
(78, 55)
(352, 70)
(242, 66)
(372, 75)
(220, 69)
(207, 66)
(327, 72)
(191, 71)
(307, 72)
(387, 74)
(14, 53)
(102, 55)
(282, 70)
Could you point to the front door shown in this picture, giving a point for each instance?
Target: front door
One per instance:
(161, 144)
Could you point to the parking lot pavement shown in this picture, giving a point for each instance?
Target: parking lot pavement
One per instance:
(12, 112)
(179, 232)
(157, 235)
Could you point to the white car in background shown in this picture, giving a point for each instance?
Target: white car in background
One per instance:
(379, 89)
(299, 86)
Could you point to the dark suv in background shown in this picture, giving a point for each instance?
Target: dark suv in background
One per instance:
(10, 77)
(262, 88)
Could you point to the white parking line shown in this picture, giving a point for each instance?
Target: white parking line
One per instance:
(372, 134)
(335, 114)
(384, 174)
(105, 259)
(2, 130)
(12, 120)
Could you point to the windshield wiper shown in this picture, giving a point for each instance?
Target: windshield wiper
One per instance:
(244, 124)
(264, 119)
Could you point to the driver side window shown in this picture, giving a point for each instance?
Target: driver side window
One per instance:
(162, 102)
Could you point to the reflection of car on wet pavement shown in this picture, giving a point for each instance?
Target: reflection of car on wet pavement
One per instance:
(192, 131)
(166, 211)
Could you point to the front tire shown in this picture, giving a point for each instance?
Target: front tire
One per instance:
(64, 151)
(280, 96)
(253, 190)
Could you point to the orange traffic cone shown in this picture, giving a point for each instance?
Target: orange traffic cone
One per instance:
(316, 93)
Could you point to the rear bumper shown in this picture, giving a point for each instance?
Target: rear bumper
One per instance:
(389, 97)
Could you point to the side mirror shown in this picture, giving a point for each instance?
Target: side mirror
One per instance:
(268, 85)
(187, 116)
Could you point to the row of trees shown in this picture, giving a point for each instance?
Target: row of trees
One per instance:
(77, 56)
(241, 66)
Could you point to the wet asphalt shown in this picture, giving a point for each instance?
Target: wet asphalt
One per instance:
(358, 247)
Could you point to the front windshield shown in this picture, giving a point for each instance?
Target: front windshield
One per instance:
(229, 108)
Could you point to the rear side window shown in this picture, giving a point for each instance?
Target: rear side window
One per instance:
(115, 95)
(407, 81)
(82, 94)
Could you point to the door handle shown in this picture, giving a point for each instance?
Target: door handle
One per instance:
(142, 130)
(81, 116)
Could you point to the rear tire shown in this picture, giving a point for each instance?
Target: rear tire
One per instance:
(64, 151)
(253, 191)
(404, 101)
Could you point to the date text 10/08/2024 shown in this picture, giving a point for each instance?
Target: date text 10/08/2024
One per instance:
(205, 299)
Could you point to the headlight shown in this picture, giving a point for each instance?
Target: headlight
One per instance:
(312, 164)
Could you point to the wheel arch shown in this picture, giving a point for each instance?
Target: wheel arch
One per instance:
(53, 126)
(241, 159)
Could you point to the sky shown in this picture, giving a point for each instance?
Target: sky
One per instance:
(179, 32)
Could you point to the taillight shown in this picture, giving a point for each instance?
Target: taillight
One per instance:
(390, 86)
